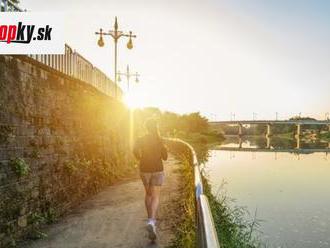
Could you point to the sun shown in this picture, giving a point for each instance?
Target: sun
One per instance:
(132, 101)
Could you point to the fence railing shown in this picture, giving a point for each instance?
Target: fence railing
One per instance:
(206, 233)
(72, 63)
(75, 65)
(8, 5)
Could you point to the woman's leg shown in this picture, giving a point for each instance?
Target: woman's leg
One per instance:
(154, 192)
(147, 200)
(155, 195)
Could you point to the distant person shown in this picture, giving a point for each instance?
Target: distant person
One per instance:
(150, 151)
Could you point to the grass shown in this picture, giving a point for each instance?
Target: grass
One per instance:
(284, 135)
(325, 136)
(207, 138)
(233, 227)
(185, 232)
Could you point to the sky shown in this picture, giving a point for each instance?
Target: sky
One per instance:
(217, 57)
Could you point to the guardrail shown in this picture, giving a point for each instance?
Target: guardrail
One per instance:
(206, 233)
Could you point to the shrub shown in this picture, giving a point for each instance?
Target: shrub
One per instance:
(20, 167)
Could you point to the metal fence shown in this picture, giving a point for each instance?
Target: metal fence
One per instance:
(8, 5)
(75, 65)
(72, 63)
(206, 233)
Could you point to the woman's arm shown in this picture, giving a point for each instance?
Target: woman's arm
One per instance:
(163, 151)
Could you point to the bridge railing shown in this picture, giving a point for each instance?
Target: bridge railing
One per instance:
(206, 233)
(72, 63)
(302, 122)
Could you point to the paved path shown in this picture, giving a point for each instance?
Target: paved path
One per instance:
(116, 218)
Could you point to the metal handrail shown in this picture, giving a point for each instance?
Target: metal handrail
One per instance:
(206, 232)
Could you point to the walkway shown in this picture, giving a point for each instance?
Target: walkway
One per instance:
(116, 218)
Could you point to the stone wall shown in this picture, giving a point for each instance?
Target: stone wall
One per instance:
(60, 142)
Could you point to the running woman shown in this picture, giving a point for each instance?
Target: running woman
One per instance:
(150, 151)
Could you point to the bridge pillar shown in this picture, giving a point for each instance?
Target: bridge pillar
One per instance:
(269, 131)
(240, 130)
(298, 133)
(240, 142)
(298, 141)
(268, 142)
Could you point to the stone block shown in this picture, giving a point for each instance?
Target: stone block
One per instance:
(35, 193)
(22, 221)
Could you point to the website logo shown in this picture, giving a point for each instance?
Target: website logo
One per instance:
(31, 33)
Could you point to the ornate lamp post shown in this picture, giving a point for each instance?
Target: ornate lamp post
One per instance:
(115, 34)
(128, 75)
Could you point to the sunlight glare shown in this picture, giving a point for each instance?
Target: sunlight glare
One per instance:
(132, 101)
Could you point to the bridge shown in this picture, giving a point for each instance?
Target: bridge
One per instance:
(269, 124)
(289, 150)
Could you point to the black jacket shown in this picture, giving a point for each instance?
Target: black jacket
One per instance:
(150, 151)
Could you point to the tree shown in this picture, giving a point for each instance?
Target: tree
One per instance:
(169, 122)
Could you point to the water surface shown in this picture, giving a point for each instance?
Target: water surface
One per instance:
(290, 191)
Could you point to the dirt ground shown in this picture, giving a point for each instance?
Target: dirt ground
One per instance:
(116, 218)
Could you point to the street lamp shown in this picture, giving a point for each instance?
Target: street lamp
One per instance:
(115, 34)
(128, 75)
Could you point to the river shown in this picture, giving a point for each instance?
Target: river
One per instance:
(288, 191)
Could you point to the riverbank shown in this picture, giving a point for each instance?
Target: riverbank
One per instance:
(325, 136)
(185, 231)
(203, 138)
(233, 229)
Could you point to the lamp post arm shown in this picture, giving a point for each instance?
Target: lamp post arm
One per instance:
(103, 33)
(128, 35)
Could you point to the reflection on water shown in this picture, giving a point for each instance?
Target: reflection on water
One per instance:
(289, 190)
(274, 143)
